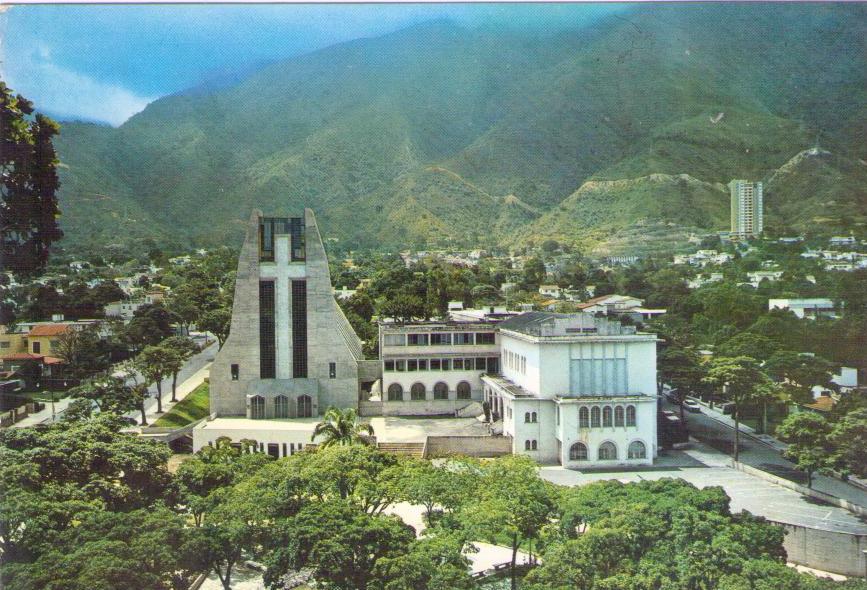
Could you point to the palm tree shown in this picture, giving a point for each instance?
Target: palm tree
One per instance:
(341, 427)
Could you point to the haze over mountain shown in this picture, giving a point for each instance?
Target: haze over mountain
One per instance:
(440, 134)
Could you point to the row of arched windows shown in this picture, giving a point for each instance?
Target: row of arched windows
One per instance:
(281, 407)
(606, 416)
(607, 451)
(418, 391)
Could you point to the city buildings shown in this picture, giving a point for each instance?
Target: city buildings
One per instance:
(746, 209)
(576, 389)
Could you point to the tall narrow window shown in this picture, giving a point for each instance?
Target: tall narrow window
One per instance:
(305, 406)
(281, 406)
(630, 415)
(257, 407)
(299, 329)
(267, 351)
(583, 418)
(594, 418)
(332, 370)
(606, 416)
(618, 416)
(235, 372)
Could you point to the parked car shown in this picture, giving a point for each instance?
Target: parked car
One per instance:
(692, 406)
(727, 408)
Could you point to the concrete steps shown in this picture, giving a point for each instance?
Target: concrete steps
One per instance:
(413, 449)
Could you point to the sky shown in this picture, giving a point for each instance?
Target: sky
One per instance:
(106, 63)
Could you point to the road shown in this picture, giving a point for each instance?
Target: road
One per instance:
(757, 454)
(192, 366)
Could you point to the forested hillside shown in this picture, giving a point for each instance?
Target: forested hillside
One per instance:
(444, 135)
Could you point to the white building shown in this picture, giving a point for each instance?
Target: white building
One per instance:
(806, 308)
(549, 291)
(576, 390)
(610, 304)
(842, 240)
(758, 276)
(435, 368)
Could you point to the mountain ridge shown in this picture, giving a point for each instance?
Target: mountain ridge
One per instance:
(423, 136)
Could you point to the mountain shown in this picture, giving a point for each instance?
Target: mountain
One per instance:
(605, 134)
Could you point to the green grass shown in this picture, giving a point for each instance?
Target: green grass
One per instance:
(193, 407)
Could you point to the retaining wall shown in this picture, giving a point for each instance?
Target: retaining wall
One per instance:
(838, 553)
(471, 446)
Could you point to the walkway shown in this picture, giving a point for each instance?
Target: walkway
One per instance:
(762, 452)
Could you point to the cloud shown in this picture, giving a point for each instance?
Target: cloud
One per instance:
(68, 94)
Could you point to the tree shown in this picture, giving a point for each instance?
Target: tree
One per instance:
(155, 363)
(534, 273)
(799, 373)
(182, 349)
(738, 377)
(340, 543)
(150, 325)
(217, 322)
(434, 563)
(145, 548)
(28, 170)
(748, 344)
(82, 351)
(807, 435)
(340, 427)
(403, 308)
(849, 441)
(682, 369)
(109, 394)
(511, 501)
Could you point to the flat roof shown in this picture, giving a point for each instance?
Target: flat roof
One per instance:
(242, 423)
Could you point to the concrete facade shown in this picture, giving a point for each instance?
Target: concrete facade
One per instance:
(333, 350)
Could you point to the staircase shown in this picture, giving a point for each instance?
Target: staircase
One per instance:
(413, 449)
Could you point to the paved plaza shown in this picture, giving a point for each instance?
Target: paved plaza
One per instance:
(703, 466)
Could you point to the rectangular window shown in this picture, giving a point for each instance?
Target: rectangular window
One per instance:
(440, 339)
(493, 365)
(435, 364)
(389, 365)
(267, 346)
(332, 370)
(484, 337)
(37, 346)
(422, 364)
(235, 372)
(4, 344)
(458, 364)
(416, 339)
(297, 237)
(266, 240)
(463, 338)
(400, 365)
(285, 450)
(412, 365)
(299, 329)
(446, 364)
(480, 363)
(394, 340)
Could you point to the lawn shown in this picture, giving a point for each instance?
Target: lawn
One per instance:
(193, 407)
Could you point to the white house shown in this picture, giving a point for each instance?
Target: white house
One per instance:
(576, 389)
(549, 291)
(610, 304)
(806, 308)
(755, 278)
(842, 240)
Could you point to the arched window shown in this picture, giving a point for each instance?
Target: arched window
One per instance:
(607, 451)
(630, 415)
(257, 407)
(526, 416)
(441, 391)
(534, 446)
(594, 417)
(637, 450)
(416, 392)
(526, 445)
(281, 406)
(618, 416)
(583, 418)
(305, 406)
(464, 390)
(395, 392)
(534, 417)
(606, 416)
(578, 451)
